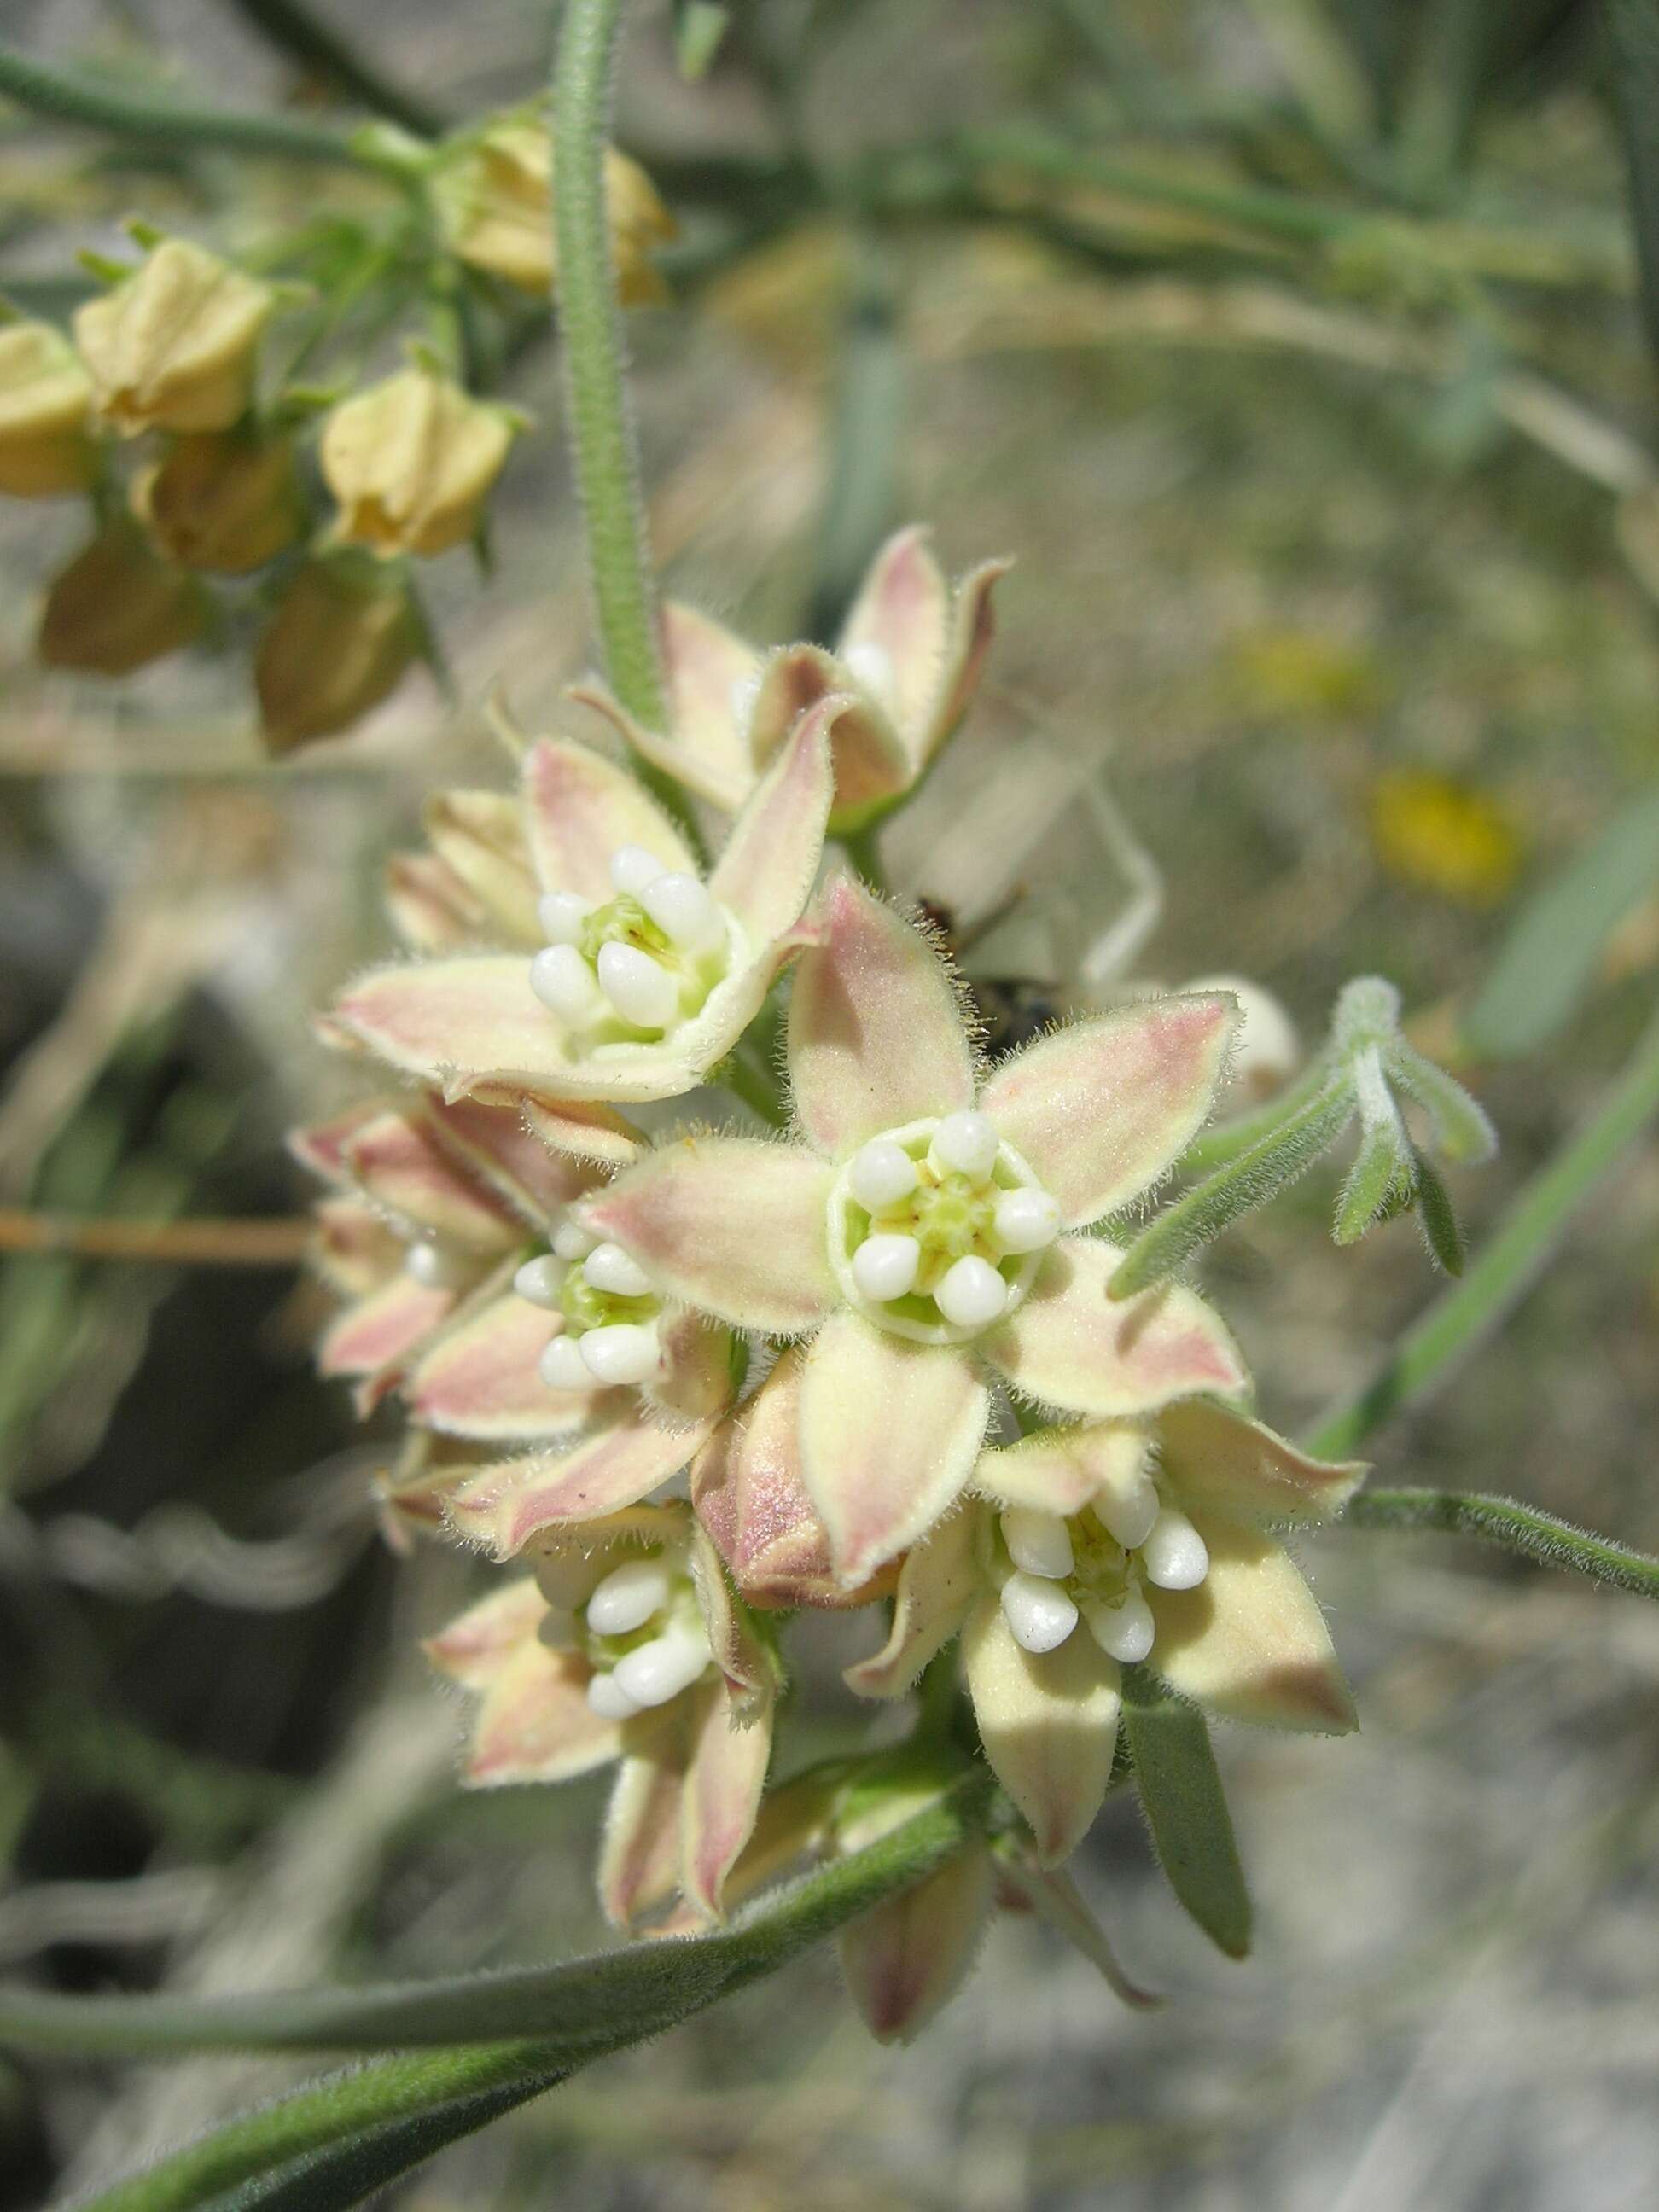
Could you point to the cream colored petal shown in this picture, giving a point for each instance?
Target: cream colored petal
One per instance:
(377, 1335)
(476, 1016)
(1219, 1463)
(907, 1960)
(876, 1036)
(765, 874)
(353, 1251)
(890, 1432)
(319, 1146)
(480, 836)
(972, 627)
(481, 1378)
(1048, 1723)
(640, 1852)
(431, 908)
(730, 1753)
(581, 808)
(475, 1645)
(872, 765)
(586, 1128)
(535, 1723)
(1061, 1470)
(1071, 1345)
(1250, 1641)
(1101, 1109)
(937, 1585)
(400, 1165)
(730, 1225)
(711, 675)
(606, 1469)
(903, 615)
(496, 1144)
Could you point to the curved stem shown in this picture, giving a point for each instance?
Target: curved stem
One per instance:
(599, 427)
(64, 99)
(1519, 1528)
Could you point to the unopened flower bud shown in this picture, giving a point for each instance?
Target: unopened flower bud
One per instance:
(174, 348)
(222, 501)
(496, 201)
(341, 636)
(411, 461)
(46, 395)
(118, 606)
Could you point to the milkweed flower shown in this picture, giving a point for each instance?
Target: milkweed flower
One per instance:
(907, 659)
(1088, 1547)
(647, 974)
(627, 1645)
(926, 1231)
(427, 1203)
(46, 398)
(174, 346)
(411, 461)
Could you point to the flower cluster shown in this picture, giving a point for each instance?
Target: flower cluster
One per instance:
(690, 1381)
(168, 409)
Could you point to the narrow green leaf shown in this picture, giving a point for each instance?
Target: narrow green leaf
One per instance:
(1374, 1179)
(1181, 1795)
(699, 27)
(1462, 1131)
(1443, 1231)
(1547, 960)
(1260, 1173)
(1632, 34)
(1519, 1528)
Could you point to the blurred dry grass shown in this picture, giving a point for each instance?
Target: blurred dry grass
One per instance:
(1263, 567)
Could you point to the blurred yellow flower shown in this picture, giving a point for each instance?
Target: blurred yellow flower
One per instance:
(411, 461)
(1302, 675)
(1441, 836)
(46, 395)
(173, 347)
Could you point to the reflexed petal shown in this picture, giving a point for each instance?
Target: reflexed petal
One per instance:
(1250, 1641)
(1048, 1723)
(480, 836)
(535, 1723)
(729, 1224)
(1061, 1470)
(1102, 1109)
(1072, 1347)
(431, 908)
(476, 1015)
(602, 1471)
(972, 626)
(871, 765)
(481, 1379)
(890, 1432)
(475, 1645)
(580, 808)
(402, 1166)
(378, 1333)
(319, 1146)
(875, 1038)
(354, 1251)
(902, 614)
(1218, 1461)
(639, 1854)
(722, 1792)
(908, 1959)
(936, 1587)
(765, 874)
(496, 1144)
(587, 1128)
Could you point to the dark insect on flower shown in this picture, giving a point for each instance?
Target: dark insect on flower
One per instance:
(1011, 1009)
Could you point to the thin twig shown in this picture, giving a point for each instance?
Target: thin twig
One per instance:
(278, 1242)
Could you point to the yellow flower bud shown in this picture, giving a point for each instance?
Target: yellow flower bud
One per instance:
(411, 461)
(341, 636)
(222, 501)
(46, 395)
(173, 347)
(494, 199)
(118, 605)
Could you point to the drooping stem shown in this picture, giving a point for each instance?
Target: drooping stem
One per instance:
(197, 1243)
(598, 423)
(67, 100)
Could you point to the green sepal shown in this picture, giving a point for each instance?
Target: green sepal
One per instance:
(1181, 1795)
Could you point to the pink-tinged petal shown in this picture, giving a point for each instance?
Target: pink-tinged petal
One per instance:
(354, 1252)
(1071, 1345)
(581, 809)
(535, 1723)
(1055, 1897)
(1063, 1470)
(639, 1854)
(319, 1146)
(730, 1225)
(902, 614)
(793, 1822)
(870, 762)
(890, 1432)
(907, 1960)
(481, 1379)
(473, 1015)
(1250, 1641)
(480, 836)
(572, 1561)
(710, 677)
(1218, 1461)
(1048, 1723)
(478, 1643)
(495, 1145)
(937, 1585)
(723, 1790)
(375, 1336)
(746, 1663)
(602, 1471)
(693, 1384)
(401, 1166)
(1102, 1109)
(765, 874)
(586, 1128)
(749, 1496)
(972, 627)
(875, 1038)
(431, 908)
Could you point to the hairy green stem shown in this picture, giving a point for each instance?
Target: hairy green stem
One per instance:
(599, 424)
(1521, 1528)
(68, 100)
(1510, 1263)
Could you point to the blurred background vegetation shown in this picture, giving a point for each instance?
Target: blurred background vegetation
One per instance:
(1295, 348)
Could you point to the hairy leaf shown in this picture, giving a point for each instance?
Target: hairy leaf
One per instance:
(1181, 1795)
